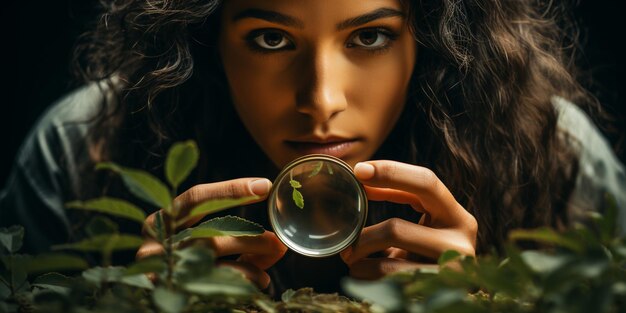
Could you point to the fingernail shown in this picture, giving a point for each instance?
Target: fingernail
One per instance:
(364, 170)
(260, 187)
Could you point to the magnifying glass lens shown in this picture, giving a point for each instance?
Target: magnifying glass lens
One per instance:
(317, 207)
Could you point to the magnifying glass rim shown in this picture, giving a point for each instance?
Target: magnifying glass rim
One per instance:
(354, 235)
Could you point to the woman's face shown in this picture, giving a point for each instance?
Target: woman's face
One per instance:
(317, 76)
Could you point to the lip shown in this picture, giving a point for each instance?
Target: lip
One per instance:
(335, 146)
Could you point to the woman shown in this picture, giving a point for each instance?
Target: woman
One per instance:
(452, 113)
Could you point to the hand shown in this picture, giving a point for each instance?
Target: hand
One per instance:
(404, 245)
(257, 253)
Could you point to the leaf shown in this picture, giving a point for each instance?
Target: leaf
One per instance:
(115, 274)
(54, 281)
(151, 264)
(169, 301)
(117, 207)
(11, 238)
(295, 184)
(182, 158)
(142, 184)
(221, 226)
(541, 262)
(216, 205)
(193, 262)
(101, 225)
(382, 292)
(447, 300)
(316, 170)
(14, 271)
(447, 256)
(221, 281)
(159, 226)
(546, 235)
(104, 243)
(55, 262)
(5, 292)
(298, 199)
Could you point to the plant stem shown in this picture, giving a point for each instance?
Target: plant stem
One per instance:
(170, 227)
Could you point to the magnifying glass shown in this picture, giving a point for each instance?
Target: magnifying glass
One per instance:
(317, 207)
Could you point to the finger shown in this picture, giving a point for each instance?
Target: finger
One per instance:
(262, 251)
(254, 274)
(230, 189)
(395, 196)
(370, 269)
(148, 248)
(420, 181)
(236, 188)
(418, 239)
(396, 253)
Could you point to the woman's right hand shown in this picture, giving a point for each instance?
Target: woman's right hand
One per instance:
(257, 253)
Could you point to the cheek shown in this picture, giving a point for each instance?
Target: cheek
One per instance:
(255, 91)
(382, 86)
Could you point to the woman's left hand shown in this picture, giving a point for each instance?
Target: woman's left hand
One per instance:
(445, 224)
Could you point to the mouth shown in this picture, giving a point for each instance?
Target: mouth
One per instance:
(337, 147)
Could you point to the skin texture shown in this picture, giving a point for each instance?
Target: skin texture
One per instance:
(316, 82)
(321, 87)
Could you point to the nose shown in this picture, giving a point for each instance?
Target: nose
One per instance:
(321, 95)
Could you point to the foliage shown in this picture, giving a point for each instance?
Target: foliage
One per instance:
(579, 270)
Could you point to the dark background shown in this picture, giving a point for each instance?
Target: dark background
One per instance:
(38, 38)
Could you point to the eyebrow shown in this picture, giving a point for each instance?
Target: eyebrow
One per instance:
(279, 18)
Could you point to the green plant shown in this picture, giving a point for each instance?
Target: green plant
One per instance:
(579, 270)
(296, 195)
(186, 277)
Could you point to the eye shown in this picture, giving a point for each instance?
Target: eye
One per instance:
(371, 38)
(270, 39)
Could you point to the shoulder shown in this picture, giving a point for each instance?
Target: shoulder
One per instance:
(599, 170)
(57, 143)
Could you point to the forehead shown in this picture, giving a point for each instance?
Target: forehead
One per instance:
(310, 12)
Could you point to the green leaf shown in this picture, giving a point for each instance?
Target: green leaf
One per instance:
(298, 199)
(14, 271)
(182, 158)
(11, 238)
(193, 262)
(220, 226)
(5, 292)
(221, 281)
(382, 292)
(295, 184)
(447, 300)
(169, 301)
(447, 256)
(547, 235)
(104, 243)
(316, 170)
(115, 274)
(142, 184)
(101, 225)
(216, 205)
(151, 264)
(55, 262)
(111, 206)
(159, 226)
(54, 281)
(541, 262)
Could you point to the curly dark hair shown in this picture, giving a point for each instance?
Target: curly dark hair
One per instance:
(479, 109)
